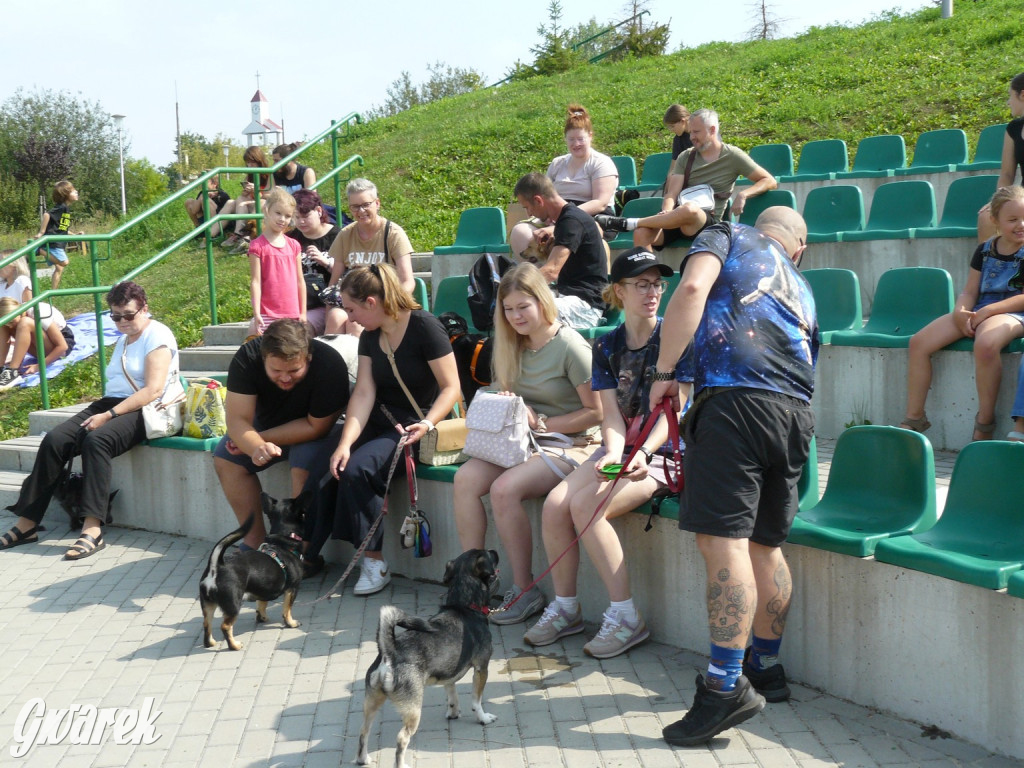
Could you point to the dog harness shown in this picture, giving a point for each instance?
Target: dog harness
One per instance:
(269, 551)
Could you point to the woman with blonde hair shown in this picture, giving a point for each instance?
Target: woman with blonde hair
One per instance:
(585, 177)
(548, 365)
(14, 279)
(396, 332)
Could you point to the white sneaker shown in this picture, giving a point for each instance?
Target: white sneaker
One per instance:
(374, 575)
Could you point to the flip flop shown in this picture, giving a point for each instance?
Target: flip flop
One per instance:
(15, 538)
(86, 546)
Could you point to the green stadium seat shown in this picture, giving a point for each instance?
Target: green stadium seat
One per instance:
(964, 199)
(938, 151)
(421, 294)
(611, 320)
(182, 443)
(1015, 586)
(837, 299)
(481, 230)
(635, 209)
(877, 156)
(906, 300)
(822, 160)
(881, 485)
(979, 539)
(777, 159)
(807, 485)
(626, 167)
(755, 206)
(988, 155)
(655, 171)
(450, 296)
(898, 209)
(832, 209)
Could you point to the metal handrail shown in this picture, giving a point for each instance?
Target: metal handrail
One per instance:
(337, 129)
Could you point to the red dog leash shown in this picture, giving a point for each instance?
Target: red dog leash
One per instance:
(675, 484)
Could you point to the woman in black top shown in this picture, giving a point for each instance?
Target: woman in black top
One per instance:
(394, 326)
(677, 120)
(314, 233)
(293, 176)
(1013, 154)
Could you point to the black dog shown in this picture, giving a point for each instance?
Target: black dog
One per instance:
(472, 354)
(264, 574)
(437, 650)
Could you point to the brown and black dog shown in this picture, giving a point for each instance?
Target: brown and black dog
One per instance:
(262, 574)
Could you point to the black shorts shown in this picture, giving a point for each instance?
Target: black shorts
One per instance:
(675, 234)
(745, 450)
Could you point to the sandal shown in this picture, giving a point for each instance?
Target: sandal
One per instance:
(86, 546)
(15, 537)
(916, 425)
(985, 430)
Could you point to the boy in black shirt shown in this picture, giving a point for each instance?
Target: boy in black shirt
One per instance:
(57, 221)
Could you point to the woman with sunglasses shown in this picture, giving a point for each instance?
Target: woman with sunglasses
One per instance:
(370, 239)
(143, 364)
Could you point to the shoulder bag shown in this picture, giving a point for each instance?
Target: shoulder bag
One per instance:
(205, 415)
(498, 432)
(162, 417)
(443, 444)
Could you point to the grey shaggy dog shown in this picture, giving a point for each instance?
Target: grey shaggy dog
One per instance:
(435, 651)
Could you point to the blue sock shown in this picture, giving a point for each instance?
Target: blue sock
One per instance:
(724, 669)
(764, 653)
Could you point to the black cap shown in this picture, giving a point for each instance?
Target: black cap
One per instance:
(635, 262)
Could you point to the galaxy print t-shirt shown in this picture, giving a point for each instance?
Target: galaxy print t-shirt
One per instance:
(759, 328)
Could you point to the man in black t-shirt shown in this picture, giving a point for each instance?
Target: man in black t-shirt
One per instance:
(285, 394)
(578, 261)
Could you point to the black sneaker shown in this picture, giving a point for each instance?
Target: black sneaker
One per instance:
(613, 223)
(770, 683)
(713, 712)
(9, 378)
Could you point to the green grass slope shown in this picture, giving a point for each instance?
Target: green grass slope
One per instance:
(893, 75)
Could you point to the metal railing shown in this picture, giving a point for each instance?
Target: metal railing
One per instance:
(337, 130)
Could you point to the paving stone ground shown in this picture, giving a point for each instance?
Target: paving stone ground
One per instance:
(125, 625)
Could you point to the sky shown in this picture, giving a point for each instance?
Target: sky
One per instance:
(323, 58)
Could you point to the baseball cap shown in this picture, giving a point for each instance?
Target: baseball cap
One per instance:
(635, 261)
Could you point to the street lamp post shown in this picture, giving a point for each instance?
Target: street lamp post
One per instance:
(227, 163)
(119, 123)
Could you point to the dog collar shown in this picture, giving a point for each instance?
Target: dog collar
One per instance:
(479, 608)
(267, 550)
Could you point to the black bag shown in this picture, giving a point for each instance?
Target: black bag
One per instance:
(315, 284)
(484, 277)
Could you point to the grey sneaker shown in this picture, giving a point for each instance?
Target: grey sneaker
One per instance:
(554, 624)
(616, 636)
(523, 608)
(9, 378)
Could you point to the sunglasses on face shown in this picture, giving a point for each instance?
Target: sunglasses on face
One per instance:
(127, 316)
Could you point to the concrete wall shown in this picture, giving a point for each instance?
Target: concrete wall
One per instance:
(866, 383)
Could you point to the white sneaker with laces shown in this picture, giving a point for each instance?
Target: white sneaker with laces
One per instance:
(616, 636)
(374, 575)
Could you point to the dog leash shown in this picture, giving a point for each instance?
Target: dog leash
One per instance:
(675, 484)
(402, 448)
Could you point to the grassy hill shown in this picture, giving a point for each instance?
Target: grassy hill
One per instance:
(892, 75)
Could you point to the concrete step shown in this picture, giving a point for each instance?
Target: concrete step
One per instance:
(225, 334)
(18, 454)
(43, 421)
(211, 358)
(421, 264)
(10, 487)
(208, 374)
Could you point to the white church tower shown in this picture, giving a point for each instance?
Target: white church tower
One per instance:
(261, 124)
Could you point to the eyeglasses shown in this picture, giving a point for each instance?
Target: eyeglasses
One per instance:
(362, 206)
(127, 316)
(645, 286)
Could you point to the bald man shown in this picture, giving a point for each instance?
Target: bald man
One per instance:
(751, 316)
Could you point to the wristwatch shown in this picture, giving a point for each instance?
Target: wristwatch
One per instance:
(657, 375)
(645, 452)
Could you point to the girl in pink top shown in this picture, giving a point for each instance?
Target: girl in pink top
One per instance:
(275, 264)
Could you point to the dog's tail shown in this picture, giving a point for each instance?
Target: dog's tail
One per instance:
(217, 555)
(390, 616)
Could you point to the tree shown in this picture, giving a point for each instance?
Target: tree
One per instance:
(42, 162)
(766, 23)
(554, 54)
(49, 122)
(144, 185)
(444, 81)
